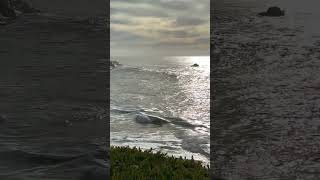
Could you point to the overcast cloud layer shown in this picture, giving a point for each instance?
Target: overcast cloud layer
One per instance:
(160, 27)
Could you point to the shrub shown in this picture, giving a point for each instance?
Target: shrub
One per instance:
(134, 163)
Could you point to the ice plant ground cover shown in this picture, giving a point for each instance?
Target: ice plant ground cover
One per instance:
(139, 164)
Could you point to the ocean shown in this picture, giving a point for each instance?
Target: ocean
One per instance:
(53, 99)
(266, 75)
(165, 87)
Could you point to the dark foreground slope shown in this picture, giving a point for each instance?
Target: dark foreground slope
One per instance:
(53, 79)
(265, 119)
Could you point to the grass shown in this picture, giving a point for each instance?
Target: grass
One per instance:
(136, 164)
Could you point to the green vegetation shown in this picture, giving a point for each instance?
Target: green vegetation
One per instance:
(136, 164)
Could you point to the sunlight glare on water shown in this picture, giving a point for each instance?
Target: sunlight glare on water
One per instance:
(169, 88)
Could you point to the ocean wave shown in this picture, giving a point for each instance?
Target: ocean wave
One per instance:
(35, 165)
(147, 73)
(29, 163)
(152, 112)
(34, 157)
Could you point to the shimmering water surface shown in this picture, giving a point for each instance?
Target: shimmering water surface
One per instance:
(168, 88)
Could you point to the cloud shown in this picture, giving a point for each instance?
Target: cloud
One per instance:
(161, 26)
(189, 21)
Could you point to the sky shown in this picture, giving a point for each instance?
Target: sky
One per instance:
(159, 27)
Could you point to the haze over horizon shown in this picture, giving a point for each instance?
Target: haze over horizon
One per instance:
(161, 28)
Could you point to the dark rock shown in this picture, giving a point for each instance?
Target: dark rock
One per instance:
(195, 65)
(114, 64)
(23, 6)
(6, 9)
(273, 11)
(3, 118)
(2, 22)
(150, 119)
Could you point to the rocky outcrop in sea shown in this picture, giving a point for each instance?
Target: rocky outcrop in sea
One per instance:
(114, 64)
(273, 12)
(11, 9)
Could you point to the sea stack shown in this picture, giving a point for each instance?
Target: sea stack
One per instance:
(273, 12)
